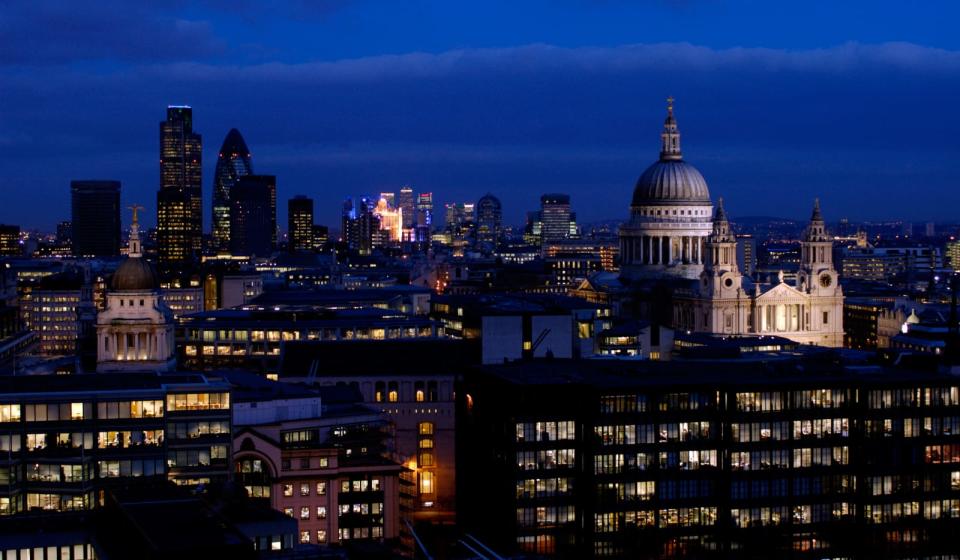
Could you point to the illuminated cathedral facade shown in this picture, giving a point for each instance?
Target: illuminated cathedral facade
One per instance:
(675, 235)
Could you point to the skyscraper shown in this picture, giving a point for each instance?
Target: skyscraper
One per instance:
(555, 217)
(489, 217)
(746, 254)
(424, 216)
(359, 224)
(95, 216)
(300, 223)
(407, 207)
(179, 228)
(174, 250)
(253, 215)
(233, 161)
(10, 241)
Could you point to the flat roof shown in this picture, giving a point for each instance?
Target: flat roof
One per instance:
(634, 374)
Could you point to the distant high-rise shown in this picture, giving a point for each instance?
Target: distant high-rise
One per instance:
(407, 208)
(555, 217)
(359, 224)
(424, 216)
(95, 216)
(321, 234)
(65, 233)
(489, 215)
(300, 223)
(179, 233)
(253, 215)
(174, 249)
(10, 241)
(746, 254)
(233, 161)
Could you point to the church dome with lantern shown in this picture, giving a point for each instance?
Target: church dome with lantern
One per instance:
(135, 331)
(670, 215)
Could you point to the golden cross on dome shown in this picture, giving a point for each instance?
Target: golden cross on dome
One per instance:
(135, 207)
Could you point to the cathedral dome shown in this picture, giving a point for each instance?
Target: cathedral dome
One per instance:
(135, 274)
(671, 182)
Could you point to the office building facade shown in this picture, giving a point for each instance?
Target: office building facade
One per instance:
(179, 201)
(576, 460)
(300, 224)
(95, 218)
(233, 161)
(253, 216)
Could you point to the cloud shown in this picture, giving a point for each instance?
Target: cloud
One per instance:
(855, 123)
(64, 31)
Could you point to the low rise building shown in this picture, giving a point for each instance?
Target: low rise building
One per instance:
(412, 384)
(318, 455)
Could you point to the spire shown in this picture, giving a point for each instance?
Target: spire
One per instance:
(719, 214)
(721, 227)
(134, 242)
(817, 216)
(670, 138)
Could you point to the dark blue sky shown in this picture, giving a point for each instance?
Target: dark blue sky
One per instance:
(778, 102)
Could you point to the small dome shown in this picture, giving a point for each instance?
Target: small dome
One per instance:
(135, 274)
(671, 182)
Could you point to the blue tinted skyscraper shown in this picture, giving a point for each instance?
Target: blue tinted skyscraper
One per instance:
(233, 162)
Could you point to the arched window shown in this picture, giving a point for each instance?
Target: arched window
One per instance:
(418, 391)
(432, 391)
(379, 390)
(255, 476)
(393, 392)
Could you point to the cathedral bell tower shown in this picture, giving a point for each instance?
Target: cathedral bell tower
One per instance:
(817, 274)
(721, 277)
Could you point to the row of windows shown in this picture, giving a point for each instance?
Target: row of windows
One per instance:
(390, 391)
(913, 397)
(375, 532)
(305, 512)
(544, 487)
(130, 409)
(193, 430)
(198, 401)
(241, 335)
(360, 485)
(373, 508)
(304, 489)
(546, 459)
(131, 467)
(321, 536)
(613, 522)
(564, 430)
(197, 457)
(58, 473)
(286, 464)
(778, 400)
(58, 412)
(545, 516)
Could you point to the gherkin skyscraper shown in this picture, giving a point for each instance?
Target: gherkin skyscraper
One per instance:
(233, 162)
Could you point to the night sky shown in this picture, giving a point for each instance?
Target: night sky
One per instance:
(856, 103)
